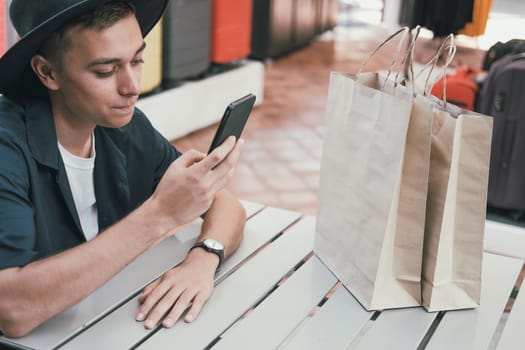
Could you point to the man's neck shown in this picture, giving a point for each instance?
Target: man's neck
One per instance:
(73, 134)
(80, 145)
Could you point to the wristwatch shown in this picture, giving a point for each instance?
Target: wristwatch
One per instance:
(213, 246)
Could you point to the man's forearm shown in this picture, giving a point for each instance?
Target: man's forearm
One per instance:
(32, 294)
(224, 221)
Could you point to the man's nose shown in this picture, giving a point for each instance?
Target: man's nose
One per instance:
(129, 81)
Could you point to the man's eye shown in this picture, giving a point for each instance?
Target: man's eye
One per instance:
(105, 74)
(137, 61)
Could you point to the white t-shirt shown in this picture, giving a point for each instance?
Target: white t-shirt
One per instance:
(80, 176)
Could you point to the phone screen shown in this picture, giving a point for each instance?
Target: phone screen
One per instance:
(233, 120)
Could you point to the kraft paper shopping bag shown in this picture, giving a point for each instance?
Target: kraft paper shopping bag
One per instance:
(373, 186)
(456, 201)
(456, 205)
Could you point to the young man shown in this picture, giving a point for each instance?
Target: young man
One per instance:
(86, 183)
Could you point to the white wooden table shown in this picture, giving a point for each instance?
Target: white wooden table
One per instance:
(274, 293)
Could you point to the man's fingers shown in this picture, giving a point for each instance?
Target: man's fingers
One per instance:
(196, 307)
(151, 300)
(191, 157)
(217, 155)
(231, 161)
(162, 307)
(182, 304)
(223, 173)
(148, 290)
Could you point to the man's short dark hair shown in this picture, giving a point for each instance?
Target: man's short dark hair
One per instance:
(102, 17)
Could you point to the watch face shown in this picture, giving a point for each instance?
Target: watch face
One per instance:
(213, 244)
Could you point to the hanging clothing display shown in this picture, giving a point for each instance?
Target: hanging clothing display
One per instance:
(443, 17)
(411, 12)
(480, 16)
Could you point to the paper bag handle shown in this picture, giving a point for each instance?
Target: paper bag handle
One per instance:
(404, 30)
(433, 62)
(451, 53)
(409, 61)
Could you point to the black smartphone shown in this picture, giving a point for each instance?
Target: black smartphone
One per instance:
(233, 120)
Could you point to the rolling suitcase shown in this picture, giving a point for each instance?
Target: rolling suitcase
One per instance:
(152, 68)
(280, 26)
(326, 15)
(499, 50)
(186, 39)
(462, 88)
(272, 28)
(3, 27)
(231, 30)
(305, 21)
(502, 97)
(10, 33)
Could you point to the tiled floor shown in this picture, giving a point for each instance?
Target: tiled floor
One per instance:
(281, 160)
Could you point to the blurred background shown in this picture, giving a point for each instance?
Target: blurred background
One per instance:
(207, 53)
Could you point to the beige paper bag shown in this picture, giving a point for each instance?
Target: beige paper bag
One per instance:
(456, 205)
(372, 194)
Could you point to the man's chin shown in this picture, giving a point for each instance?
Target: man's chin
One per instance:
(115, 123)
(119, 118)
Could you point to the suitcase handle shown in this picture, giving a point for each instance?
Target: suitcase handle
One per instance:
(518, 56)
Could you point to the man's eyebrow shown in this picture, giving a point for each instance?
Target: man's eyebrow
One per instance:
(103, 61)
(141, 48)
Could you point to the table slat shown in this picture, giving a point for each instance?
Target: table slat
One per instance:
(251, 208)
(473, 329)
(282, 311)
(397, 329)
(260, 229)
(240, 291)
(126, 332)
(334, 326)
(134, 277)
(127, 282)
(513, 336)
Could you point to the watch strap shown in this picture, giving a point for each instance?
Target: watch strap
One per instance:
(219, 253)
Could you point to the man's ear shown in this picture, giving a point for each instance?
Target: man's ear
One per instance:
(45, 71)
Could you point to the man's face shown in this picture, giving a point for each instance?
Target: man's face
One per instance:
(99, 78)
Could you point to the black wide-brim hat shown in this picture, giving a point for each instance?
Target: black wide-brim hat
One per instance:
(36, 20)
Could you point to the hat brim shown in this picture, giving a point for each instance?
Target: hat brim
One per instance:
(16, 75)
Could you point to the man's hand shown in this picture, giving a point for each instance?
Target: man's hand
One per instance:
(189, 185)
(189, 284)
(186, 191)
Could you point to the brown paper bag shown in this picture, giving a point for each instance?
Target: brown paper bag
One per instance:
(373, 185)
(456, 207)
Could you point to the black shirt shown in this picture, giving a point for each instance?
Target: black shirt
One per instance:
(37, 212)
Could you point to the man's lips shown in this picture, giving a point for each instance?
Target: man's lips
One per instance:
(125, 108)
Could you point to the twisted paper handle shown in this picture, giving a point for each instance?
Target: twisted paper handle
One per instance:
(405, 31)
(409, 57)
(451, 47)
